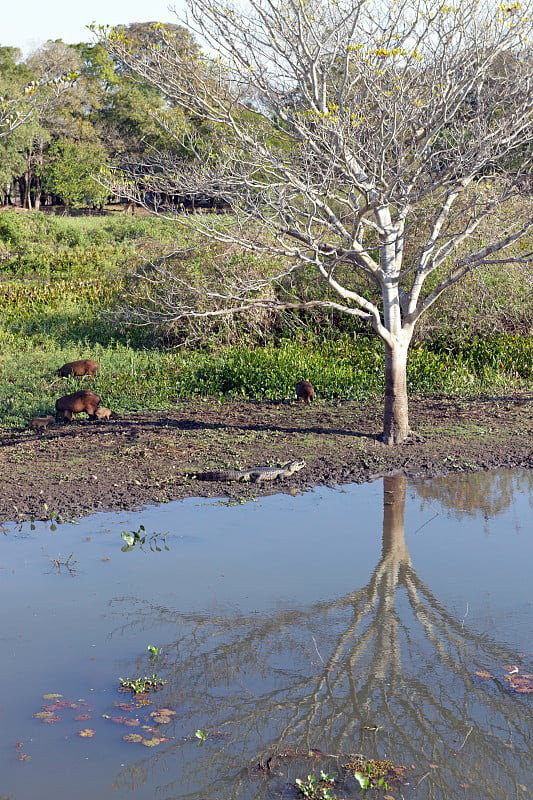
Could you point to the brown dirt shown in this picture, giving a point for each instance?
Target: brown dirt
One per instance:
(73, 470)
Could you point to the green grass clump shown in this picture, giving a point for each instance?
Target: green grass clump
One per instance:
(37, 244)
(345, 368)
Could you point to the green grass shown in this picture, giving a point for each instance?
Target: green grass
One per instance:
(51, 316)
(132, 379)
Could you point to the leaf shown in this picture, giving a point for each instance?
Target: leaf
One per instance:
(522, 683)
(143, 699)
(51, 696)
(80, 717)
(362, 780)
(151, 742)
(60, 704)
(87, 732)
(133, 737)
(482, 673)
(168, 712)
(161, 719)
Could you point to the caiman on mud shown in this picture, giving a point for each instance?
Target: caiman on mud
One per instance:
(252, 475)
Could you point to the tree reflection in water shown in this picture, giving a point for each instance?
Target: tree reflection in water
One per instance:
(488, 493)
(388, 654)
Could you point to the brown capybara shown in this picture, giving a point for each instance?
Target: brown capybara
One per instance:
(40, 424)
(305, 391)
(104, 413)
(71, 404)
(85, 366)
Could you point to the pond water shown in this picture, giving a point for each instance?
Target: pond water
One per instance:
(391, 620)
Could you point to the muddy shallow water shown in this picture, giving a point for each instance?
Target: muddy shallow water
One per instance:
(390, 619)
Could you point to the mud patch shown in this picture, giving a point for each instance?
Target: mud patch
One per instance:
(73, 470)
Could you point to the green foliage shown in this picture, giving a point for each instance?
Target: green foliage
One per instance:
(348, 367)
(316, 788)
(71, 172)
(11, 228)
(37, 244)
(133, 538)
(494, 353)
(367, 782)
(141, 685)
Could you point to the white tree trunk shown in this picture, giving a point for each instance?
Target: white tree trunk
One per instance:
(396, 411)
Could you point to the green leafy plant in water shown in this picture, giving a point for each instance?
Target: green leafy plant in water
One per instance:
(139, 537)
(154, 652)
(367, 782)
(141, 685)
(369, 773)
(201, 736)
(317, 788)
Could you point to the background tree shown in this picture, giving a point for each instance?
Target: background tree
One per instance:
(392, 144)
(18, 94)
(38, 88)
(71, 173)
(129, 108)
(18, 91)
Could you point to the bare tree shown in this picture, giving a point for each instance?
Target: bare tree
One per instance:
(385, 141)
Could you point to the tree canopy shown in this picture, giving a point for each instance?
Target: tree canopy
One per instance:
(393, 143)
(77, 98)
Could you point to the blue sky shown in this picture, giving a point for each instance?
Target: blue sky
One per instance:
(28, 23)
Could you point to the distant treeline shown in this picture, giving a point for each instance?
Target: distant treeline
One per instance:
(100, 117)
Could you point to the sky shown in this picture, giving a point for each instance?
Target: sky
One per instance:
(27, 24)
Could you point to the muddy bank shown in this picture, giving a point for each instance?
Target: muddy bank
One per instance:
(73, 470)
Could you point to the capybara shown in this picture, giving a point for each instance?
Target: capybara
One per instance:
(40, 424)
(71, 404)
(104, 413)
(85, 366)
(305, 391)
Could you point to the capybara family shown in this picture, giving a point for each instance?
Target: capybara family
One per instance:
(85, 366)
(305, 391)
(71, 404)
(40, 424)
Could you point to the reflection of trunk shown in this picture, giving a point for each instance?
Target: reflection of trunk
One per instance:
(396, 413)
(394, 546)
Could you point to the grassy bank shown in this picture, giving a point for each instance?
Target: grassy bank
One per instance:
(132, 379)
(59, 274)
